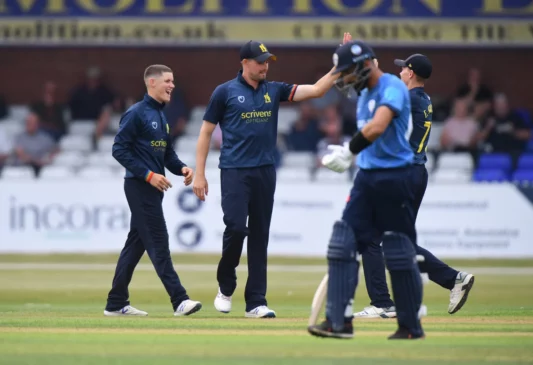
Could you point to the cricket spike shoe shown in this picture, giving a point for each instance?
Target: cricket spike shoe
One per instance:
(126, 311)
(403, 334)
(325, 330)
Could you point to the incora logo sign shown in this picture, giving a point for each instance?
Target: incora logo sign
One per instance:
(64, 216)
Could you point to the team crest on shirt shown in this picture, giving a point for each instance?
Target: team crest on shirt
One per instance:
(371, 105)
(267, 98)
(241, 99)
(154, 125)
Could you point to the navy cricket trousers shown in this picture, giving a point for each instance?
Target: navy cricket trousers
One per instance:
(374, 265)
(381, 200)
(148, 232)
(247, 195)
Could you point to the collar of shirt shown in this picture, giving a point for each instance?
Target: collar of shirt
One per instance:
(154, 103)
(242, 80)
(418, 88)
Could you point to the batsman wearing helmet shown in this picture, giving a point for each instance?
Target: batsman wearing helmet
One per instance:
(382, 198)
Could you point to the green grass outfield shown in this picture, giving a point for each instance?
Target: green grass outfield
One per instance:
(51, 313)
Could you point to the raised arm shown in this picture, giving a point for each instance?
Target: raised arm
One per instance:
(318, 89)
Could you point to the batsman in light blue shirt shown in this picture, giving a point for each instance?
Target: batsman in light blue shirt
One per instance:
(382, 197)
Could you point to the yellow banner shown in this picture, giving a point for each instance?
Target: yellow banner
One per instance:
(221, 32)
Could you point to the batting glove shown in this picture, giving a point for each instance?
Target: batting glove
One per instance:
(339, 159)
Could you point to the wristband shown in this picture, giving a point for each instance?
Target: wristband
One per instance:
(359, 143)
(149, 176)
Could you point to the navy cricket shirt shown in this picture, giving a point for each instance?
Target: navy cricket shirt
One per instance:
(142, 144)
(422, 111)
(248, 119)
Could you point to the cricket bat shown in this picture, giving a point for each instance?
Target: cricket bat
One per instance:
(319, 300)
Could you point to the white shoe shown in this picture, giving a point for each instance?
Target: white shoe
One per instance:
(222, 302)
(260, 312)
(126, 311)
(459, 294)
(188, 307)
(375, 312)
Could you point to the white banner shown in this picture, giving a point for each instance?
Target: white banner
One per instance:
(456, 221)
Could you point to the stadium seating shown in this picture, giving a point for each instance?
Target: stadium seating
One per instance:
(458, 161)
(82, 127)
(17, 172)
(523, 176)
(56, 172)
(450, 175)
(72, 142)
(490, 175)
(70, 159)
(525, 162)
(491, 161)
(105, 144)
(186, 144)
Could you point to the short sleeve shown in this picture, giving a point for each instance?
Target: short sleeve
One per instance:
(286, 91)
(393, 97)
(217, 105)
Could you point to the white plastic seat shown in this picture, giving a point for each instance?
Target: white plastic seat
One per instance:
(69, 158)
(56, 172)
(451, 176)
(82, 127)
(19, 112)
(17, 172)
(459, 160)
(76, 143)
(105, 144)
(286, 116)
(102, 159)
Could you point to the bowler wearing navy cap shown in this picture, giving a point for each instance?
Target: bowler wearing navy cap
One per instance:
(246, 108)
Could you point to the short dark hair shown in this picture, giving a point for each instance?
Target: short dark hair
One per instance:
(420, 79)
(156, 70)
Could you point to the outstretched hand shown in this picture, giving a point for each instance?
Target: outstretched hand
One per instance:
(347, 38)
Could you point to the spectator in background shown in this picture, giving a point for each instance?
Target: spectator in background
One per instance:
(51, 113)
(459, 131)
(177, 114)
(331, 98)
(93, 100)
(506, 132)
(305, 133)
(5, 148)
(474, 91)
(34, 147)
(331, 125)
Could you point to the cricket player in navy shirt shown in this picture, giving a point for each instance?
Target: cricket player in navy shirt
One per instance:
(416, 69)
(143, 146)
(382, 198)
(246, 108)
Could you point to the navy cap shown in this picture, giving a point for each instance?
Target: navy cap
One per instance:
(256, 51)
(418, 63)
(351, 53)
